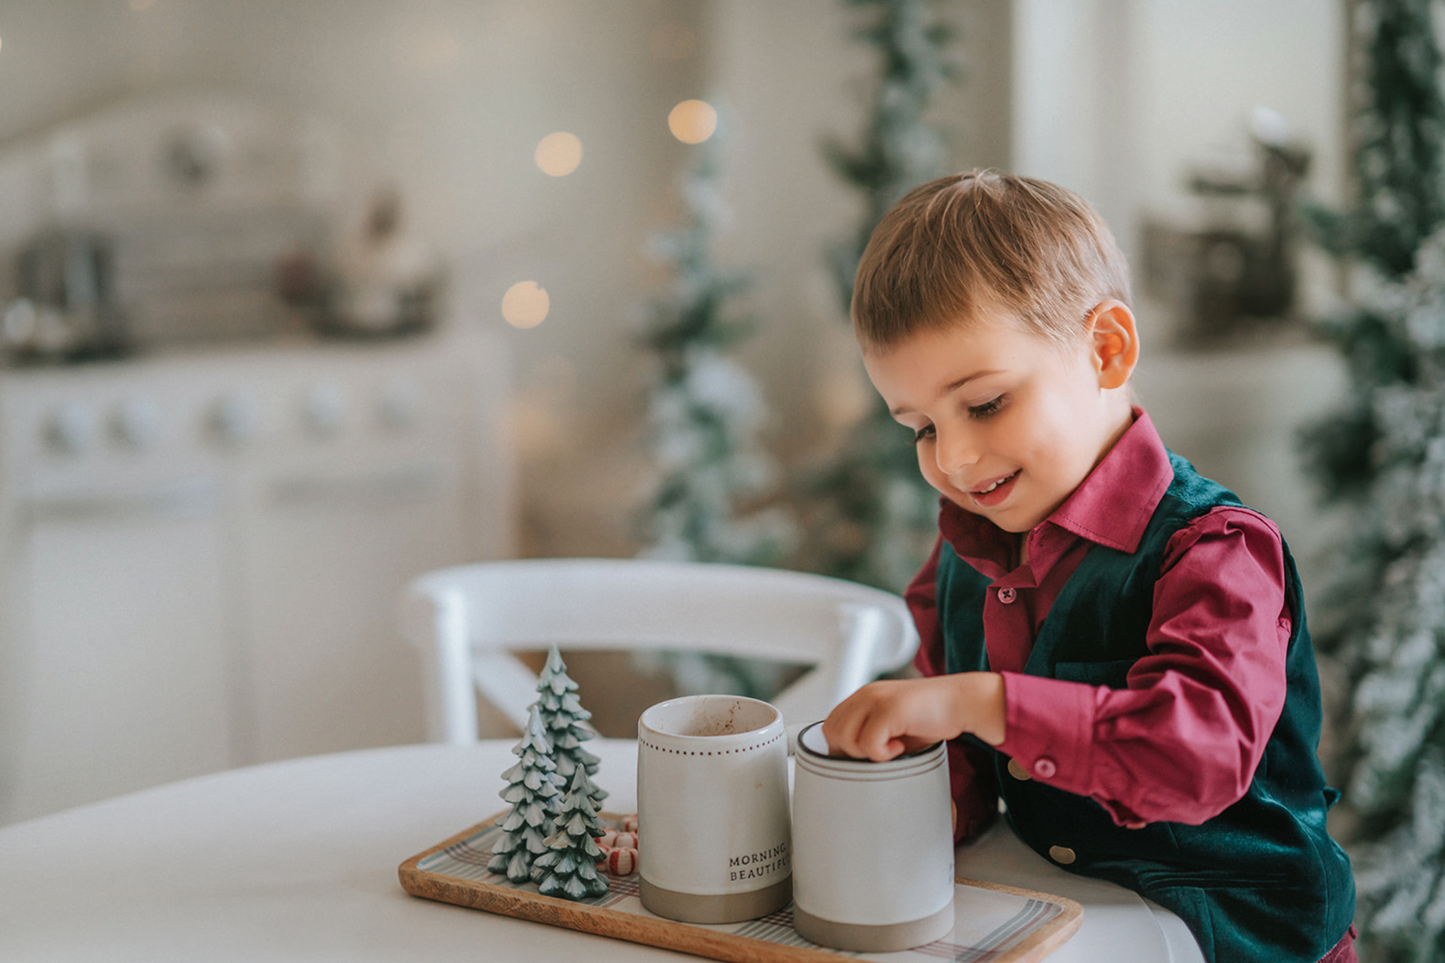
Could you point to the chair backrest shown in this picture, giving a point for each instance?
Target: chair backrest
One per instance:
(469, 618)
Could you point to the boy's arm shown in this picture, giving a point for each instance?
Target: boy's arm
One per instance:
(1182, 741)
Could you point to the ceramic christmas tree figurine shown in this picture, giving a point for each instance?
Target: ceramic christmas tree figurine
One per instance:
(563, 718)
(532, 791)
(569, 866)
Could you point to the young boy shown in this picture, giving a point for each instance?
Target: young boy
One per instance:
(1112, 643)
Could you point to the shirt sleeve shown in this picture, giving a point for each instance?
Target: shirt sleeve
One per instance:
(970, 771)
(1182, 741)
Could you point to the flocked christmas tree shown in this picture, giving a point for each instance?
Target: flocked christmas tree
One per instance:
(569, 866)
(535, 797)
(877, 514)
(564, 721)
(1385, 455)
(714, 480)
(706, 412)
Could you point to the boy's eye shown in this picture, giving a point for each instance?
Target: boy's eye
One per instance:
(992, 407)
(923, 434)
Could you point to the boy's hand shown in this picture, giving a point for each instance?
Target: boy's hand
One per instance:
(886, 719)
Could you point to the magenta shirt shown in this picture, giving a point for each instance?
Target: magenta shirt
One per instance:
(1182, 741)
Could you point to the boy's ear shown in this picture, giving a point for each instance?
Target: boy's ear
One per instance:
(1115, 342)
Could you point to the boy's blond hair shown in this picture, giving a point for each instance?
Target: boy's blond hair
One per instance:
(963, 245)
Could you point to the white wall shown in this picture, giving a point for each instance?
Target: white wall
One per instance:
(1201, 66)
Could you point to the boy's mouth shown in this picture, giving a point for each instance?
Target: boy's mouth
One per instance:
(995, 491)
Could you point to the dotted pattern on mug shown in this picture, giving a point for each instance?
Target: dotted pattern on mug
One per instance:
(714, 752)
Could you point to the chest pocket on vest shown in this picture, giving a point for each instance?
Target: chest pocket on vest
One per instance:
(1113, 673)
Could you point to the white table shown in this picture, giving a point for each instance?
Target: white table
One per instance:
(297, 861)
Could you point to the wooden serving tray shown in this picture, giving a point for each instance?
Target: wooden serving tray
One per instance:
(994, 923)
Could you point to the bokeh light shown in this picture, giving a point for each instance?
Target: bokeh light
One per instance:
(559, 153)
(525, 304)
(692, 121)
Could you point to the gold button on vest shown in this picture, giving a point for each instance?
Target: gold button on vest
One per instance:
(1017, 771)
(1062, 855)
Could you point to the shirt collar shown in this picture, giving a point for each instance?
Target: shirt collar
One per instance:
(1111, 507)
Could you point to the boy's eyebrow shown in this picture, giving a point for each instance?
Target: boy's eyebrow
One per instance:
(948, 388)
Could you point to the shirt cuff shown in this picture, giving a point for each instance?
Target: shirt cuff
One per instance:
(1049, 734)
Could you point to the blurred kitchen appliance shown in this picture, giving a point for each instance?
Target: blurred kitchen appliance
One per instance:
(1234, 273)
(381, 280)
(202, 552)
(66, 308)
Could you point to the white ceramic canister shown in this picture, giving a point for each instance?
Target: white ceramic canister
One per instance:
(872, 848)
(712, 809)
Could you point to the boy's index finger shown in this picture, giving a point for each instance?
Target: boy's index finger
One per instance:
(844, 733)
(861, 727)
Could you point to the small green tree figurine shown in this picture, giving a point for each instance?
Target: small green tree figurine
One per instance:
(569, 866)
(532, 791)
(563, 717)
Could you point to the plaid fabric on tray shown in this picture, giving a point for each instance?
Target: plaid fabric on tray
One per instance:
(989, 922)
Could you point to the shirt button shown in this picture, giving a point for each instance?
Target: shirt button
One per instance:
(1007, 595)
(1045, 768)
(1018, 771)
(1062, 855)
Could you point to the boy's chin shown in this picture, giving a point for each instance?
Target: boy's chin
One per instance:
(1014, 523)
(1016, 518)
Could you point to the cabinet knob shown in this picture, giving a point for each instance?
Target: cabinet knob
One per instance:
(137, 422)
(72, 428)
(400, 404)
(324, 410)
(234, 418)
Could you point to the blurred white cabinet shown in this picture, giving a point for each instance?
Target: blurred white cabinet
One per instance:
(202, 553)
(126, 676)
(327, 555)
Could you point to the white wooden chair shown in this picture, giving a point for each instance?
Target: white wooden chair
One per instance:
(470, 618)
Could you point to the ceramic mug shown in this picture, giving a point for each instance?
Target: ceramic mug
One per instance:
(712, 809)
(872, 848)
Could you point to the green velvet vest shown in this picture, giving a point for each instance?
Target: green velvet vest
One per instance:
(1262, 881)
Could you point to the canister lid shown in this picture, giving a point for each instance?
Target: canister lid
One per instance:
(813, 754)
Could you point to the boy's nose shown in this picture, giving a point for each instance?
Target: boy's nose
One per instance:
(955, 452)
